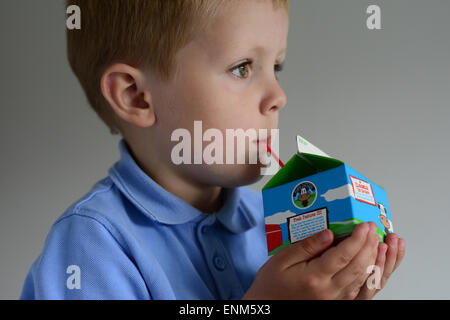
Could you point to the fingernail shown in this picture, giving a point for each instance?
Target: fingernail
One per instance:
(324, 236)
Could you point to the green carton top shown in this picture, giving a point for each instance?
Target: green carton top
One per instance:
(301, 166)
(307, 161)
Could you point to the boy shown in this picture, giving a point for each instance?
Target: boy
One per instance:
(156, 230)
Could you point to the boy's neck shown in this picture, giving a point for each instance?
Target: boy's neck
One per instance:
(206, 198)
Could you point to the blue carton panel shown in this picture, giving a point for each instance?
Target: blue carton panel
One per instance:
(336, 199)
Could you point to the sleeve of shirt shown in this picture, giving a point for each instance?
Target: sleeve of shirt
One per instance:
(82, 259)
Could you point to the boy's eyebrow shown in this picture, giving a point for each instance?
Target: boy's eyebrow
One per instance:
(258, 49)
(263, 50)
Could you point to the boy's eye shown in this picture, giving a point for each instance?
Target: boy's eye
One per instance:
(242, 70)
(278, 68)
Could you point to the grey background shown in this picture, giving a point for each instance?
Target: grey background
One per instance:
(378, 100)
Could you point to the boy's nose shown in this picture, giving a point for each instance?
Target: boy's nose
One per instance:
(275, 99)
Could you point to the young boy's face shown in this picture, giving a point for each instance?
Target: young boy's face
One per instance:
(210, 87)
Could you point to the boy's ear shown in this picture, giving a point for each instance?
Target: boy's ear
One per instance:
(126, 90)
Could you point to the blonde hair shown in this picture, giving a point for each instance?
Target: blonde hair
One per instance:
(145, 34)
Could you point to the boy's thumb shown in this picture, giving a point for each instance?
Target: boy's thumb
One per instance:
(307, 249)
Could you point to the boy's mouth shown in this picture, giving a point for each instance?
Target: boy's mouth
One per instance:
(263, 141)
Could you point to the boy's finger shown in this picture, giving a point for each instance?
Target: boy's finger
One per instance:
(373, 283)
(391, 257)
(336, 258)
(305, 249)
(353, 276)
(400, 252)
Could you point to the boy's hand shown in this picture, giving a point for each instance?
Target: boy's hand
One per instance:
(304, 271)
(387, 262)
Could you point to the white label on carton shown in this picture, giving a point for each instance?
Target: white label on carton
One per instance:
(304, 146)
(307, 224)
(363, 191)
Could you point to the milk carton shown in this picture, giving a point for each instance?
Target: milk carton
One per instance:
(313, 192)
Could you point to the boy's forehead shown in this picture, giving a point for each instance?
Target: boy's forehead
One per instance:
(236, 30)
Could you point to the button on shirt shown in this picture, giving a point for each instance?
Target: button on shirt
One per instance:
(129, 238)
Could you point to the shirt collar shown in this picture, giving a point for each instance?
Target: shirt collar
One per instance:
(164, 207)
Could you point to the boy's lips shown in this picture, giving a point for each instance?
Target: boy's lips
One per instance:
(263, 141)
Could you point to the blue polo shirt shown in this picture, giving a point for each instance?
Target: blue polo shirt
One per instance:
(129, 238)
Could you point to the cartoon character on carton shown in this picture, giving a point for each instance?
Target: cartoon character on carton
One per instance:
(304, 197)
(388, 228)
(304, 194)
